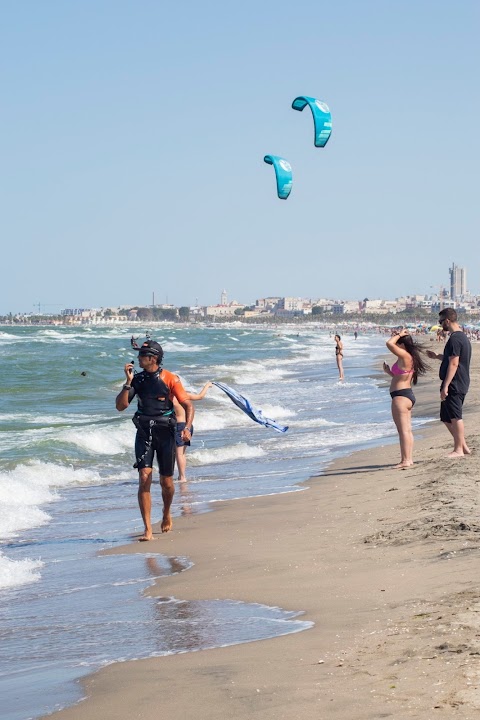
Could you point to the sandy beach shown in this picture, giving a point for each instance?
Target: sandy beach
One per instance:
(384, 563)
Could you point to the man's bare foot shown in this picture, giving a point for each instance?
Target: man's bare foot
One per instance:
(182, 479)
(146, 536)
(402, 465)
(466, 450)
(455, 454)
(167, 523)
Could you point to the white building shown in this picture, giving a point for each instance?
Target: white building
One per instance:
(458, 282)
(222, 310)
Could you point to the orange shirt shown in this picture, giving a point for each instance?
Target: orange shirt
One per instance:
(174, 385)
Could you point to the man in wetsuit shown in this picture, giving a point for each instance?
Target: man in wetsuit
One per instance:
(455, 379)
(156, 426)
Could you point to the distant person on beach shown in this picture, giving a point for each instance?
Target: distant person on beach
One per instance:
(180, 442)
(455, 379)
(404, 373)
(155, 421)
(355, 334)
(339, 355)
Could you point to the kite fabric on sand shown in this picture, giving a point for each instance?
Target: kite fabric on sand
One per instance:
(254, 413)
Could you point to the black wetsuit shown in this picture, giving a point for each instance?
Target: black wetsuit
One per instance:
(155, 422)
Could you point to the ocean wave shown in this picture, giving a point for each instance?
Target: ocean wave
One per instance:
(101, 440)
(50, 420)
(250, 373)
(331, 437)
(277, 411)
(212, 420)
(18, 572)
(24, 490)
(20, 440)
(240, 451)
(314, 422)
(178, 346)
(229, 416)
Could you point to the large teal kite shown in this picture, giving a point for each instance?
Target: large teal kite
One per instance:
(283, 173)
(322, 118)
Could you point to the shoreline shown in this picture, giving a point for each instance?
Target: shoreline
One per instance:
(375, 557)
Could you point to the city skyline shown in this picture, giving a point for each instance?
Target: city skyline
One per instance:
(458, 297)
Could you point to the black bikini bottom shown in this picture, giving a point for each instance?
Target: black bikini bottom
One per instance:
(408, 393)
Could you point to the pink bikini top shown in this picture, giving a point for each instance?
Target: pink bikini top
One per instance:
(395, 370)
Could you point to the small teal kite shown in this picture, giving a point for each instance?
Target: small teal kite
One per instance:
(283, 173)
(322, 118)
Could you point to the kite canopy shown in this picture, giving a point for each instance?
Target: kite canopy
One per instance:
(283, 174)
(322, 118)
(244, 404)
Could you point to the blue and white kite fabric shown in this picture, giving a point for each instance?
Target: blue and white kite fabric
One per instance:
(322, 118)
(283, 174)
(254, 413)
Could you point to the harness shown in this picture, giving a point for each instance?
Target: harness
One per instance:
(155, 413)
(153, 394)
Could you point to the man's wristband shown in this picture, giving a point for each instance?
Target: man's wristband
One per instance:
(127, 387)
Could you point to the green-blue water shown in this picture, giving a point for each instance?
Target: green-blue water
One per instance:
(68, 488)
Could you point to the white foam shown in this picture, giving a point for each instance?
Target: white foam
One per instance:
(314, 422)
(210, 420)
(24, 490)
(25, 439)
(34, 419)
(251, 373)
(18, 572)
(177, 346)
(16, 518)
(225, 454)
(218, 418)
(338, 436)
(277, 411)
(102, 439)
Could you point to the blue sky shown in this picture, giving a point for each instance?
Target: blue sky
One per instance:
(132, 136)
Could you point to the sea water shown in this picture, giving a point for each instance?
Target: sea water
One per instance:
(68, 488)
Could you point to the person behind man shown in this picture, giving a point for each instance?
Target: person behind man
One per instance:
(181, 444)
(155, 421)
(455, 379)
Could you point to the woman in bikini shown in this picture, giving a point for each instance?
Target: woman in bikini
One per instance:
(404, 373)
(339, 355)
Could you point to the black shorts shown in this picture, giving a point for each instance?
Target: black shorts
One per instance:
(178, 437)
(157, 439)
(408, 393)
(451, 408)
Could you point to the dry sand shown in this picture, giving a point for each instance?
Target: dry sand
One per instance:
(383, 561)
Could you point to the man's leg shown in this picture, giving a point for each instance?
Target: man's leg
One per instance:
(181, 456)
(145, 501)
(166, 461)
(168, 491)
(457, 430)
(451, 416)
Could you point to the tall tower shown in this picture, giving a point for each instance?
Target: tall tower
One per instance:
(223, 297)
(458, 282)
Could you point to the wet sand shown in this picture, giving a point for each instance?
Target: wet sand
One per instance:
(383, 561)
